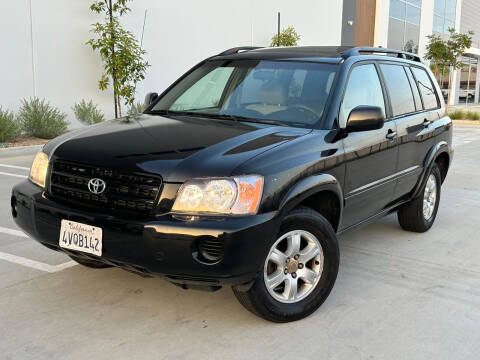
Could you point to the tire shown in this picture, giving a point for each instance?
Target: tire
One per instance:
(90, 263)
(411, 216)
(272, 304)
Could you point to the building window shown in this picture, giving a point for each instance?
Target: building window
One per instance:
(404, 24)
(444, 15)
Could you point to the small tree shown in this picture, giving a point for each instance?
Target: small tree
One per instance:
(288, 37)
(123, 57)
(446, 54)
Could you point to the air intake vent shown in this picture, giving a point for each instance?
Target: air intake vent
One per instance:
(210, 248)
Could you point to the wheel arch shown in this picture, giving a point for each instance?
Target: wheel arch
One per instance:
(438, 154)
(322, 193)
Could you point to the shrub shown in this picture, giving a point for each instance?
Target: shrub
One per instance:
(457, 114)
(87, 113)
(9, 126)
(136, 108)
(288, 37)
(472, 115)
(462, 115)
(40, 119)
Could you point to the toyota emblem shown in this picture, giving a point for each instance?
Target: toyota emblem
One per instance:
(97, 186)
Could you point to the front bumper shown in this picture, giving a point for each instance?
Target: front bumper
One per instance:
(162, 246)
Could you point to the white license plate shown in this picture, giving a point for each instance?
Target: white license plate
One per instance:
(81, 237)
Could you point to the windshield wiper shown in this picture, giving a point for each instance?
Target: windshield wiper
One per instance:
(218, 116)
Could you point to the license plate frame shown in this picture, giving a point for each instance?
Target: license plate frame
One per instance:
(81, 237)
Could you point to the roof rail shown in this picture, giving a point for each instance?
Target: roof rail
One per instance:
(398, 53)
(236, 50)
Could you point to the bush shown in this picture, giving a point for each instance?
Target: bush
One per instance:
(457, 114)
(9, 126)
(87, 113)
(40, 119)
(135, 109)
(464, 115)
(288, 37)
(472, 115)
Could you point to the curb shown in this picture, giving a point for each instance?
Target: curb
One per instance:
(20, 149)
(466, 122)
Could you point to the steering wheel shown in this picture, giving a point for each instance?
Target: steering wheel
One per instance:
(306, 110)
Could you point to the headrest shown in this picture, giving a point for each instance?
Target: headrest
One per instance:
(272, 93)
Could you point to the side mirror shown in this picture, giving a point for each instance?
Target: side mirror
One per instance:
(365, 118)
(149, 99)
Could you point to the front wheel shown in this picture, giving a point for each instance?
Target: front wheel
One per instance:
(420, 213)
(299, 271)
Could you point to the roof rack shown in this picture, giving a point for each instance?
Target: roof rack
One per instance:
(236, 50)
(371, 50)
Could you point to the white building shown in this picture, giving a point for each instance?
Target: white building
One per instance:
(44, 52)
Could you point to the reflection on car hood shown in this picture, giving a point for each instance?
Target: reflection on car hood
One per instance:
(176, 148)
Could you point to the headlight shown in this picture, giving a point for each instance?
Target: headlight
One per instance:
(38, 171)
(239, 195)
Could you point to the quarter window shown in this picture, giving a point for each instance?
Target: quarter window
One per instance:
(401, 96)
(363, 88)
(426, 88)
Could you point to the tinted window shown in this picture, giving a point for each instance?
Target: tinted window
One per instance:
(426, 88)
(413, 85)
(399, 89)
(363, 88)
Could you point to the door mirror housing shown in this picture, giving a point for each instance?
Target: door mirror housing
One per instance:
(149, 99)
(365, 118)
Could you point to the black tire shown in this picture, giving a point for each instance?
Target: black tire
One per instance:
(259, 301)
(411, 217)
(90, 263)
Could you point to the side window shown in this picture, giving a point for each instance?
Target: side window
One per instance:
(413, 84)
(399, 89)
(363, 88)
(426, 88)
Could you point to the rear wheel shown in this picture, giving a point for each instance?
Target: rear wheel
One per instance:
(420, 213)
(299, 271)
(90, 263)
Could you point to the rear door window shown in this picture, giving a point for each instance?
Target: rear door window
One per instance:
(401, 96)
(427, 90)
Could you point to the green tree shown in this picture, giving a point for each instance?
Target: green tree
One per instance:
(288, 37)
(123, 58)
(447, 53)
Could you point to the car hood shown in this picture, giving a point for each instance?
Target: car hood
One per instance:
(176, 148)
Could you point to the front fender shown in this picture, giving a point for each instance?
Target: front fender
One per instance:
(437, 149)
(308, 187)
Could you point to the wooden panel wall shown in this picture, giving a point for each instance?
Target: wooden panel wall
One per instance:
(365, 23)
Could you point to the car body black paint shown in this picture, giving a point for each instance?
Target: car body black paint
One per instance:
(370, 173)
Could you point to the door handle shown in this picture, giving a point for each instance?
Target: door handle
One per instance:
(391, 135)
(427, 123)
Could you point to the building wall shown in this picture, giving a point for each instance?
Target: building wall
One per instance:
(470, 20)
(177, 35)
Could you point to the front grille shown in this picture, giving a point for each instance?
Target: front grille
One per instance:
(125, 191)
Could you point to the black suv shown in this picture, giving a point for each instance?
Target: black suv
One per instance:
(245, 170)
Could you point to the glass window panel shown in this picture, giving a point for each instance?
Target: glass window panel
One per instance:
(413, 85)
(401, 96)
(438, 24)
(415, 2)
(439, 8)
(412, 33)
(413, 15)
(396, 29)
(363, 88)
(426, 88)
(397, 9)
(447, 25)
(450, 9)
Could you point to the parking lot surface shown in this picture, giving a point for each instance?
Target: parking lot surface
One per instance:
(398, 295)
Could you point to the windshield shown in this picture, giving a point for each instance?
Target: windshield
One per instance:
(284, 92)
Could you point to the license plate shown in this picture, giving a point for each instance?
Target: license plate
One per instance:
(81, 237)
